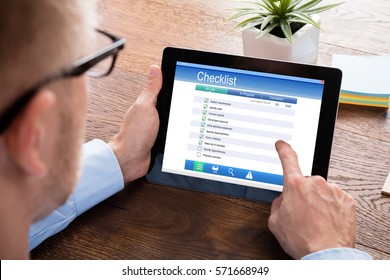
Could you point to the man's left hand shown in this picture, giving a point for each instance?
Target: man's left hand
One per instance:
(132, 145)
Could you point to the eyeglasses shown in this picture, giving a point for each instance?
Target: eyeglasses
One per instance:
(99, 64)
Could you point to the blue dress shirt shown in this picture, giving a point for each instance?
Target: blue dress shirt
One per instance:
(338, 254)
(101, 178)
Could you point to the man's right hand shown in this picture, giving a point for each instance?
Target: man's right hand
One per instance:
(311, 214)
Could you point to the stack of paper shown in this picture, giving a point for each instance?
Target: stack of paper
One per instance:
(366, 79)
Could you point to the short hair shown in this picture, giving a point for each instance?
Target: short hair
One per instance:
(38, 39)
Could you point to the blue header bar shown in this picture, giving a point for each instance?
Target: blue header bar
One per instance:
(249, 80)
(264, 96)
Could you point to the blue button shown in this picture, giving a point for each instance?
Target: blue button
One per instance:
(279, 98)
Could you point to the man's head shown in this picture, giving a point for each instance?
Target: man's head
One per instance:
(39, 149)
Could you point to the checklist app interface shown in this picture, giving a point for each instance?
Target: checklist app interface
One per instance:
(223, 124)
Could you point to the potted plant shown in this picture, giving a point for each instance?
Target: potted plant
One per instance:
(283, 29)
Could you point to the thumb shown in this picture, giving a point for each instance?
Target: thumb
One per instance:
(153, 85)
(274, 216)
(276, 203)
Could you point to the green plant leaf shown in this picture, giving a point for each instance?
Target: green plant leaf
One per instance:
(255, 3)
(286, 28)
(267, 20)
(267, 30)
(322, 9)
(250, 21)
(308, 5)
(304, 18)
(265, 7)
(294, 3)
(247, 24)
(268, 3)
(246, 12)
(275, 7)
(284, 6)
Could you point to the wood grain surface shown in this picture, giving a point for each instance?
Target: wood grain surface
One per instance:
(148, 221)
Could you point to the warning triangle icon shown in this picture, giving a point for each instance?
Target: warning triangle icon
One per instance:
(249, 176)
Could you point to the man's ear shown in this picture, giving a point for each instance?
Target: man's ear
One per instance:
(24, 137)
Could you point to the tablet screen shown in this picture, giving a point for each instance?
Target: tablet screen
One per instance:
(224, 122)
(220, 116)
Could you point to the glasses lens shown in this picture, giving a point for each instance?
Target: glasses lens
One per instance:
(102, 68)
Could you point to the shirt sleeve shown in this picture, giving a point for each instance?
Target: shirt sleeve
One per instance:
(338, 254)
(101, 177)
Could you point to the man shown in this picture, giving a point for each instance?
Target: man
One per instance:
(45, 50)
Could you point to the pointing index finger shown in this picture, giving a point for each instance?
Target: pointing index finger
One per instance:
(289, 160)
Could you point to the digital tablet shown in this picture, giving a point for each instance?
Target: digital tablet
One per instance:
(220, 116)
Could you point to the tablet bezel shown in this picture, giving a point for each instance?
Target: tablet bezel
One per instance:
(328, 112)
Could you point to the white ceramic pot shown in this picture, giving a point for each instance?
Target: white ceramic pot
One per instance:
(303, 49)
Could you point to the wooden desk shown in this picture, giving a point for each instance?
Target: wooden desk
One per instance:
(154, 222)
